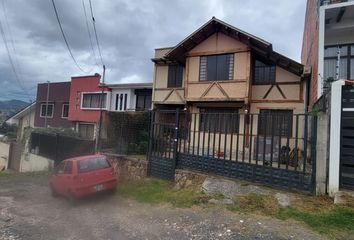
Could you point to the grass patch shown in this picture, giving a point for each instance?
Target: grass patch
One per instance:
(156, 191)
(337, 222)
(319, 213)
(255, 203)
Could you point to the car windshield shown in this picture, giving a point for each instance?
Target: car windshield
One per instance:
(92, 164)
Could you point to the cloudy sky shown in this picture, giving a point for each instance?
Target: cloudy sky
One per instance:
(128, 32)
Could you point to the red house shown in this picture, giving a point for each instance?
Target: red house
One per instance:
(85, 98)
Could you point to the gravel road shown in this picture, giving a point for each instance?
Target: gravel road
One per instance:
(27, 211)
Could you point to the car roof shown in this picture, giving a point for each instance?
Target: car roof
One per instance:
(84, 157)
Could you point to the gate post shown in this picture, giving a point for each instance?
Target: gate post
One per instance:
(334, 152)
(151, 135)
(176, 138)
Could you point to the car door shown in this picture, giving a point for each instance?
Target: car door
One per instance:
(67, 178)
(57, 178)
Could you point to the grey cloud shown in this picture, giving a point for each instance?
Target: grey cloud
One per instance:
(128, 33)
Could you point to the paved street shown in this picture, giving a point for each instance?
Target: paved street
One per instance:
(27, 211)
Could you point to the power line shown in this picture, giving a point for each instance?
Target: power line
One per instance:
(88, 32)
(94, 28)
(11, 37)
(66, 42)
(10, 59)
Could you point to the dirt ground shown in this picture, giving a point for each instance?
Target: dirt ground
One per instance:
(27, 211)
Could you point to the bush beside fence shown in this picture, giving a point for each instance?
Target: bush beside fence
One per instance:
(128, 133)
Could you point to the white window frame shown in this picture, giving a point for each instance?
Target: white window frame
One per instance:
(115, 93)
(62, 110)
(97, 92)
(40, 113)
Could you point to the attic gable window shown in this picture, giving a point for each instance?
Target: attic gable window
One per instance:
(264, 73)
(216, 67)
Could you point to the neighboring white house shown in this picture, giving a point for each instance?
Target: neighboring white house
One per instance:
(130, 97)
(23, 118)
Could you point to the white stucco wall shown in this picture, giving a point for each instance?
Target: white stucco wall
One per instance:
(130, 98)
(4, 154)
(32, 163)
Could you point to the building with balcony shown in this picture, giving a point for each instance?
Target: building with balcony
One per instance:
(130, 97)
(328, 43)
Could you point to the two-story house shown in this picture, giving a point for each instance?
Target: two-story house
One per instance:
(220, 68)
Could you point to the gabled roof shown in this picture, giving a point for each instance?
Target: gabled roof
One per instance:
(21, 112)
(256, 44)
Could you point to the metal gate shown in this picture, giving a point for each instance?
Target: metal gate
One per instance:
(163, 144)
(347, 139)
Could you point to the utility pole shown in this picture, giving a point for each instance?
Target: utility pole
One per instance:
(98, 138)
(46, 106)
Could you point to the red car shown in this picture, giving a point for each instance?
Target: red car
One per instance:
(82, 176)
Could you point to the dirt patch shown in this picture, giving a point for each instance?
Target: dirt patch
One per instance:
(29, 212)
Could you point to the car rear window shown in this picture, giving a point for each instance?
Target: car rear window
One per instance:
(92, 164)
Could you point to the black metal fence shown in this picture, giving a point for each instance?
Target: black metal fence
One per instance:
(275, 148)
(59, 147)
(128, 133)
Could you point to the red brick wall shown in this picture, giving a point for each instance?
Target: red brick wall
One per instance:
(309, 54)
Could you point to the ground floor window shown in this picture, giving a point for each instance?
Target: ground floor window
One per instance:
(220, 120)
(87, 130)
(275, 121)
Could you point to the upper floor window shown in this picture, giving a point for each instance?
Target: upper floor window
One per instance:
(264, 73)
(47, 110)
(143, 99)
(216, 67)
(65, 110)
(346, 63)
(92, 100)
(121, 101)
(175, 76)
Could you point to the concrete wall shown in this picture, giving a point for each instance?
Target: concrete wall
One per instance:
(322, 152)
(4, 154)
(32, 162)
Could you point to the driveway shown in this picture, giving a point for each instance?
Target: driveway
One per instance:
(27, 211)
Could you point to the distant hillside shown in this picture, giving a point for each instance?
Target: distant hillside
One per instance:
(8, 108)
(12, 105)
